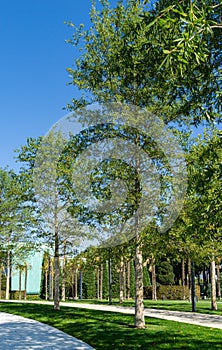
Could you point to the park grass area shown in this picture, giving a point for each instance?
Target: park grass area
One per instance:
(107, 330)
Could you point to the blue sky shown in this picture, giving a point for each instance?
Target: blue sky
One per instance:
(33, 62)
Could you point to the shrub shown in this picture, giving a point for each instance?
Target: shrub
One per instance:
(169, 292)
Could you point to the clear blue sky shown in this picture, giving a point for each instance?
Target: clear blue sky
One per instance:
(33, 62)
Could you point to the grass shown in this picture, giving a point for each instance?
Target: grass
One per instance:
(109, 331)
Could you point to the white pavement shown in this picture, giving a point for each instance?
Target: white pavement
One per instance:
(19, 333)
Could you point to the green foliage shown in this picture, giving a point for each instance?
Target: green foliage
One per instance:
(132, 279)
(205, 177)
(166, 292)
(146, 276)
(164, 274)
(89, 283)
(167, 57)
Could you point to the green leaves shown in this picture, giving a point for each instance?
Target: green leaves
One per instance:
(167, 57)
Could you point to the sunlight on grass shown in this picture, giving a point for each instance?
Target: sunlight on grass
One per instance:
(112, 331)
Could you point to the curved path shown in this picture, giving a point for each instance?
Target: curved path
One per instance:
(19, 333)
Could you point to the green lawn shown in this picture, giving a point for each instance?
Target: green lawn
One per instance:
(106, 330)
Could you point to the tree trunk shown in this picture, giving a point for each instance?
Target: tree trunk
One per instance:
(213, 287)
(139, 320)
(101, 282)
(46, 283)
(7, 292)
(0, 281)
(80, 284)
(51, 294)
(183, 280)
(56, 271)
(218, 281)
(97, 282)
(189, 279)
(110, 279)
(56, 254)
(154, 291)
(26, 279)
(124, 281)
(20, 283)
(205, 281)
(128, 280)
(76, 284)
(73, 284)
(63, 296)
(121, 280)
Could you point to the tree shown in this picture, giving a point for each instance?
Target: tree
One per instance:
(111, 68)
(206, 174)
(58, 228)
(16, 221)
(165, 274)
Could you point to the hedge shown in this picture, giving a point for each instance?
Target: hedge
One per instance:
(170, 292)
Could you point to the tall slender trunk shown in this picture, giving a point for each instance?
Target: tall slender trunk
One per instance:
(76, 284)
(20, 283)
(56, 253)
(128, 280)
(26, 279)
(139, 320)
(51, 279)
(205, 281)
(183, 279)
(7, 292)
(0, 281)
(46, 283)
(56, 271)
(154, 291)
(213, 286)
(189, 279)
(110, 279)
(97, 282)
(218, 281)
(124, 281)
(101, 282)
(63, 296)
(121, 280)
(73, 284)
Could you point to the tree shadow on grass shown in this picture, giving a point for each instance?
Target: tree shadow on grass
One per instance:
(107, 330)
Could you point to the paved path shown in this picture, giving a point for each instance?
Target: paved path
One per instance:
(19, 333)
(198, 319)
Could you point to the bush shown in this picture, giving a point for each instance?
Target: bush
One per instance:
(170, 292)
(14, 294)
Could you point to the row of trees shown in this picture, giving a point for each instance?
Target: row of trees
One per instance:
(162, 55)
(195, 235)
(165, 58)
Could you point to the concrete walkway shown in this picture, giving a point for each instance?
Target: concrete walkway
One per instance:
(194, 318)
(19, 333)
